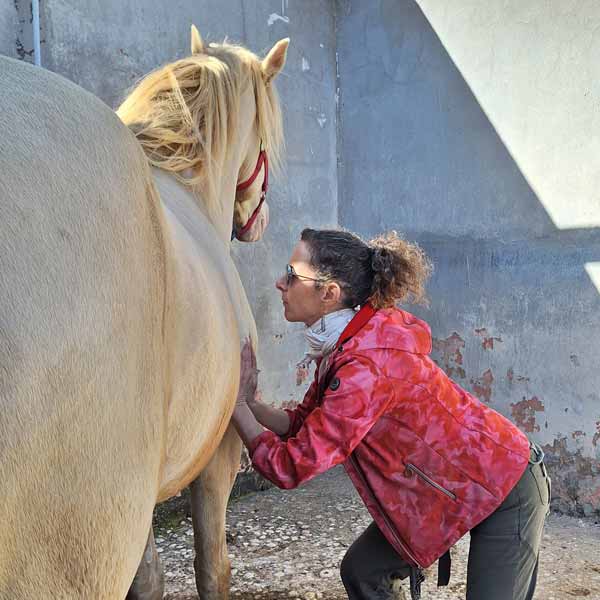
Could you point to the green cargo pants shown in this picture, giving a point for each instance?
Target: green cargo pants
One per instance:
(503, 556)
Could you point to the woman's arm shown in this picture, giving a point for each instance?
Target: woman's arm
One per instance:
(250, 413)
(246, 425)
(275, 419)
(355, 400)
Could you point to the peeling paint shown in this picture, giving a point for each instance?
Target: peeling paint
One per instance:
(510, 375)
(482, 386)
(305, 64)
(488, 341)
(451, 357)
(524, 411)
(575, 478)
(291, 404)
(21, 52)
(275, 17)
(596, 437)
(302, 372)
(24, 34)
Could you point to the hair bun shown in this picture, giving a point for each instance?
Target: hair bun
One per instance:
(400, 269)
(380, 259)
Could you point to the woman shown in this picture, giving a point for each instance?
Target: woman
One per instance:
(429, 460)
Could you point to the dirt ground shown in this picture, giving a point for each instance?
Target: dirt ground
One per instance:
(290, 544)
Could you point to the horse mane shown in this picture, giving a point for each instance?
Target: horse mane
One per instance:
(184, 113)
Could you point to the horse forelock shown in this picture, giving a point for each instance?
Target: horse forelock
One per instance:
(184, 114)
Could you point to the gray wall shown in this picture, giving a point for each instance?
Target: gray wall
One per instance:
(470, 126)
(474, 129)
(9, 19)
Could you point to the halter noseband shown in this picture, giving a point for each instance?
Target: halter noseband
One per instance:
(262, 159)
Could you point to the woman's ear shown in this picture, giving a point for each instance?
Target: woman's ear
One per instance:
(331, 293)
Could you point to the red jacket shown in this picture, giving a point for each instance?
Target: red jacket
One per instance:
(428, 459)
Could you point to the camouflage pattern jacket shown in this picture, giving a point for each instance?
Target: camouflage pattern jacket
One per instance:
(429, 460)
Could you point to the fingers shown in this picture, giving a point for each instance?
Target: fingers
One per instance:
(248, 354)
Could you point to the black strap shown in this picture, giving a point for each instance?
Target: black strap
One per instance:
(444, 568)
(416, 579)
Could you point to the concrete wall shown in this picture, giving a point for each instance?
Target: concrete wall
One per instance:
(473, 128)
(470, 126)
(8, 29)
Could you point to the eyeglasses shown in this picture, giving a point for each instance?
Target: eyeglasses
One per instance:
(290, 274)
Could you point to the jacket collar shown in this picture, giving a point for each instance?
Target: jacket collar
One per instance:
(362, 317)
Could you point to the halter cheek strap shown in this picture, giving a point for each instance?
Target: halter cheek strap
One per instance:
(262, 160)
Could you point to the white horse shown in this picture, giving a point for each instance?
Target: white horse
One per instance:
(122, 313)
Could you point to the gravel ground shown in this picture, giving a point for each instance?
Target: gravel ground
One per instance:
(290, 544)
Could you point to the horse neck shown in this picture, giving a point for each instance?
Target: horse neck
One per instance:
(221, 216)
(220, 211)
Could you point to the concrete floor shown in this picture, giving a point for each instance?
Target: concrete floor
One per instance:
(290, 544)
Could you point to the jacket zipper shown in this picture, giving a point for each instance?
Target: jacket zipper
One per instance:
(431, 482)
(389, 524)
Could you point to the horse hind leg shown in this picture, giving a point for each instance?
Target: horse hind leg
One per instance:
(148, 583)
(209, 496)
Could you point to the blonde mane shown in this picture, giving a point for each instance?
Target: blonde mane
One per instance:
(184, 113)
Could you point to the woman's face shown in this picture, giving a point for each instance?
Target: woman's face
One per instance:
(302, 299)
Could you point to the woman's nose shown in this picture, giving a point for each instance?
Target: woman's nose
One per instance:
(280, 283)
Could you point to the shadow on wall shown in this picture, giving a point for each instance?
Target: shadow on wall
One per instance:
(514, 312)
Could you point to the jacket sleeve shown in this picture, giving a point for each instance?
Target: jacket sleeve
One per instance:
(356, 397)
(298, 415)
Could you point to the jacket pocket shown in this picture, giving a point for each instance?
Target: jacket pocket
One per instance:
(410, 469)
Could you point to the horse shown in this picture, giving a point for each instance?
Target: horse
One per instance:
(122, 314)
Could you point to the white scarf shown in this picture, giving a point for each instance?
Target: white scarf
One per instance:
(323, 335)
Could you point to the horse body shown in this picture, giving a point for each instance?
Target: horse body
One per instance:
(121, 322)
(210, 314)
(82, 351)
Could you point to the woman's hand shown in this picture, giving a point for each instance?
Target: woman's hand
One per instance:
(248, 375)
(250, 414)
(243, 419)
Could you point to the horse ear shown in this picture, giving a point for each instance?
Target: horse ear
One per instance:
(197, 43)
(275, 60)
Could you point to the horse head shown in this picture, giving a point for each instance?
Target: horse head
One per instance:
(214, 121)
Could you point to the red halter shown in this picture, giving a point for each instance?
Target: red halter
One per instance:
(262, 159)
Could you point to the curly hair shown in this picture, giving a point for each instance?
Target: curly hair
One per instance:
(384, 271)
